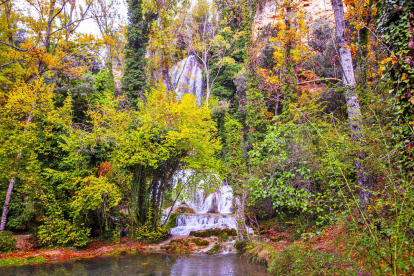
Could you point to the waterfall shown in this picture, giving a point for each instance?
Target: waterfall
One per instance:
(201, 201)
(212, 210)
(195, 222)
(187, 77)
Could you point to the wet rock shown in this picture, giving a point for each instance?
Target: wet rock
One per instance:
(214, 232)
(183, 209)
(185, 246)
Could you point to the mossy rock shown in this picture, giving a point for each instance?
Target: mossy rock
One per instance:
(185, 245)
(215, 250)
(184, 209)
(178, 246)
(231, 232)
(200, 242)
(202, 233)
(214, 232)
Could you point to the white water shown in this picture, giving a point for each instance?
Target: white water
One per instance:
(197, 195)
(213, 210)
(187, 77)
(195, 222)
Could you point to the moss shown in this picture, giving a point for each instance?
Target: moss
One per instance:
(183, 209)
(118, 251)
(200, 242)
(223, 237)
(178, 246)
(257, 252)
(214, 232)
(171, 221)
(185, 245)
(240, 246)
(215, 250)
(22, 261)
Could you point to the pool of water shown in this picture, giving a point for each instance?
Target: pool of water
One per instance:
(150, 264)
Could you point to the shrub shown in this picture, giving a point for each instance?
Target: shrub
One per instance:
(299, 260)
(7, 241)
(58, 231)
(146, 233)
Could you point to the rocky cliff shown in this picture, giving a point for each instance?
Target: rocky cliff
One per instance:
(266, 12)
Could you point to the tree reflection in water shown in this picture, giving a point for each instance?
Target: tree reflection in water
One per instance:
(146, 265)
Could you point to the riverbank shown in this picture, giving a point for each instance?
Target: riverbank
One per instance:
(29, 253)
(325, 253)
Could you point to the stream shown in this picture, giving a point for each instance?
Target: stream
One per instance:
(146, 264)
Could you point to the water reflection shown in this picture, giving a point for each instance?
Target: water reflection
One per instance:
(146, 265)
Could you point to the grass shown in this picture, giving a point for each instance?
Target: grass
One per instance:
(22, 261)
(121, 252)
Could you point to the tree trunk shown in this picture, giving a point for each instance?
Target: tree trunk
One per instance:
(352, 102)
(6, 205)
(240, 217)
(11, 185)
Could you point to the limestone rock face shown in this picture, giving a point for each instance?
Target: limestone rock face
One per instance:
(187, 77)
(266, 13)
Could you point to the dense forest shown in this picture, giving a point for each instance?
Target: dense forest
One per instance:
(304, 108)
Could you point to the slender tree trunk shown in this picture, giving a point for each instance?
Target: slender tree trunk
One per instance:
(11, 185)
(352, 102)
(6, 205)
(240, 217)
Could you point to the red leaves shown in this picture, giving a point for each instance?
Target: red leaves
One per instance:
(104, 169)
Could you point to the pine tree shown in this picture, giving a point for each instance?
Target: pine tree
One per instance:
(134, 80)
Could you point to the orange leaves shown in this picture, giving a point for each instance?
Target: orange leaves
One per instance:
(48, 46)
(104, 169)
(94, 249)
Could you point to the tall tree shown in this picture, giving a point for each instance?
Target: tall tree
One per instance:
(50, 46)
(206, 39)
(134, 81)
(351, 96)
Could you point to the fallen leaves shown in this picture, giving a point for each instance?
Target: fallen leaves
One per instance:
(94, 249)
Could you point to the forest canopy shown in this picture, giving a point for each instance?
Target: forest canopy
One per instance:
(306, 113)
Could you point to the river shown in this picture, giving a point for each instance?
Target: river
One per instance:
(149, 264)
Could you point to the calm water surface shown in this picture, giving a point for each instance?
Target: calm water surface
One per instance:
(146, 265)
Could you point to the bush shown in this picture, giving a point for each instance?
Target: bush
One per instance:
(299, 260)
(58, 231)
(146, 233)
(7, 241)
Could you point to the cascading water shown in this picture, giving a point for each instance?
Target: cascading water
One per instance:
(195, 222)
(187, 77)
(212, 210)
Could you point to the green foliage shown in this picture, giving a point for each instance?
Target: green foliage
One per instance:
(147, 233)
(7, 241)
(104, 82)
(284, 181)
(299, 260)
(56, 230)
(171, 222)
(396, 24)
(256, 113)
(216, 249)
(21, 261)
(134, 80)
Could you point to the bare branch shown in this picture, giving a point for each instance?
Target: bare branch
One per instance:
(3, 65)
(19, 49)
(64, 27)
